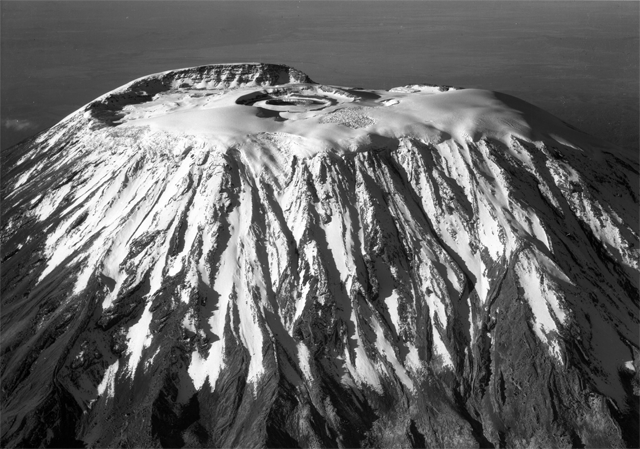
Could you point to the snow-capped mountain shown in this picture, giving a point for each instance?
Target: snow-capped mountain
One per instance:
(236, 256)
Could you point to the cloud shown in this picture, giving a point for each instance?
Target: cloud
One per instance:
(19, 124)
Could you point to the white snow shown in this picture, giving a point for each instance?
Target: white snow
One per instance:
(440, 349)
(202, 368)
(598, 217)
(304, 358)
(543, 300)
(386, 348)
(188, 322)
(250, 284)
(24, 177)
(629, 365)
(108, 380)
(489, 230)
(392, 305)
(362, 369)
(335, 241)
(149, 362)
(462, 113)
(413, 361)
(338, 245)
(52, 201)
(138, 338)
(235, 277)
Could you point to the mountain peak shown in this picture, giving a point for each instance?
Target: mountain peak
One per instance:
(234, 255)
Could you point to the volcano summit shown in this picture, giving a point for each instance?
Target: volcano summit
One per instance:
(235, 256)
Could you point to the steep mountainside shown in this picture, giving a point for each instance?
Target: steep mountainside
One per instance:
(234, 255)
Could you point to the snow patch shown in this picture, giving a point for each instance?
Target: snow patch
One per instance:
(385, 348)
(304, 358)
(630, 366)
(543, 300)
(392, 305)
(108, 380)
(139, 337)
(336, 243)
(412, 360)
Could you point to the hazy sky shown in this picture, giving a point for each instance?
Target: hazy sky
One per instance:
(578, 60)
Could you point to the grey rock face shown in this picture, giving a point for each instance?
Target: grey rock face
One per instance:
(317, 267)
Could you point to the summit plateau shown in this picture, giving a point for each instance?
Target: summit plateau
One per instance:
(236, 256)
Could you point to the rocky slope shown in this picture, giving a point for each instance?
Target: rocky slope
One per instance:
(235, 256)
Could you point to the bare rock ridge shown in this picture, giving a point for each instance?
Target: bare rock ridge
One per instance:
(236, 256)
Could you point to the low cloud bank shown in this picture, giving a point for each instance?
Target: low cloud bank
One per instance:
(19, 124)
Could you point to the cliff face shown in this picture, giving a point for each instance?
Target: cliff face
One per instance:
(199, 259)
